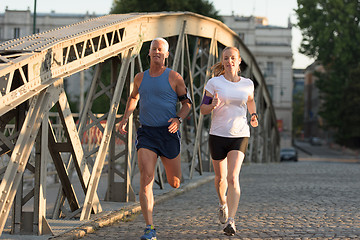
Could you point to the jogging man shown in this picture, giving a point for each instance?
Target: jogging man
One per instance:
(157, 90)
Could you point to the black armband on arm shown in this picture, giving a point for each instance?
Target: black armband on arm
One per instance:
(185, 97)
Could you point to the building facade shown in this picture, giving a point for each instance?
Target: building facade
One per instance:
(298, 103)
(299, 81)
(271, 46)
(16, 24)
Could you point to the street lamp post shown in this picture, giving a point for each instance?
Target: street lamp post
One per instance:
(34, 20)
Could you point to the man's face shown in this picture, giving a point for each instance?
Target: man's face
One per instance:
(158, 52)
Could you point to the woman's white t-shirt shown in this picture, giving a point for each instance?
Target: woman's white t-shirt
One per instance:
(229, 118)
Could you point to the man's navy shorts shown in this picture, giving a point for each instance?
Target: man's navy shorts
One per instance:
(159, 140)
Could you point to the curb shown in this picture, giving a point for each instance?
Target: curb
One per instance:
(302, 149)
(116, 215)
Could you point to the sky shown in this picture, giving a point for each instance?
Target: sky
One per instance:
(277, 12)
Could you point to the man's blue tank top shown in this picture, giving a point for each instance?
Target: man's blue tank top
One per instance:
(157, 101)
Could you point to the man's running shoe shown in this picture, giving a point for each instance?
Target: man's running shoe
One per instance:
(230, 228)
(223, 213)
(149, 233)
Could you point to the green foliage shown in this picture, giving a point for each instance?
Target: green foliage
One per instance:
(102, 103)
(203, 7)
(331, 35)
(298, 113)
(349, 133)
(330, 30)
(331, 92)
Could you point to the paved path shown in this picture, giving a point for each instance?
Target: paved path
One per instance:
(303, 200)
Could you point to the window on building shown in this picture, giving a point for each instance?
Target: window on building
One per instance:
(270, 68)
(16, 32)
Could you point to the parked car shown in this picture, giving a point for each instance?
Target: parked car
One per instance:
(315, 141)
(288, 154)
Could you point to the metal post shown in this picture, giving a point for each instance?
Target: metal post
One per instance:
(34, 18)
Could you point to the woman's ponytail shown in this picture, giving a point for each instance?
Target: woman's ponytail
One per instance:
(217, 69)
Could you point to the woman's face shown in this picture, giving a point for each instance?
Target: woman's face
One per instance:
(158, 52)
(231, 60)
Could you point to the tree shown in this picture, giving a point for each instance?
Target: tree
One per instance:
(298, 114)
(331, 35)
(203, 7)
(330, 30)
(349, 134)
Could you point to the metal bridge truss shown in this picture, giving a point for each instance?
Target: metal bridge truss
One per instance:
(32, 70)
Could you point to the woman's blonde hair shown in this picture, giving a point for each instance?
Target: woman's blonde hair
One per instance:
(218, 68)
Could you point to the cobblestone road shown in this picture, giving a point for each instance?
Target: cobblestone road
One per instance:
(303, 200)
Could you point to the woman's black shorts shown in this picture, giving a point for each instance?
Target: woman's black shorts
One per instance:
(221, 146)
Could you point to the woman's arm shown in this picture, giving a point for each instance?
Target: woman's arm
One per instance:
(209, 103)
(252, 110)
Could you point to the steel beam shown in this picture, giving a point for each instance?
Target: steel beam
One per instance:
(40, 224)
(21, 153)
(99, 162)
(210, 62)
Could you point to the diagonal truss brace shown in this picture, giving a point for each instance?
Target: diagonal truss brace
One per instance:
(212, 54)
(21, 152)
(100, 158)
(73, 136)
